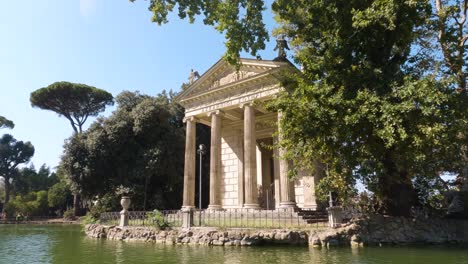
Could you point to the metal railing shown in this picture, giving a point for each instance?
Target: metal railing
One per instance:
(139, 218)
(252, 218)
(229, 218)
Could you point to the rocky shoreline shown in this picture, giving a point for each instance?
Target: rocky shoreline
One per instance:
(199, 236)
(376, 230)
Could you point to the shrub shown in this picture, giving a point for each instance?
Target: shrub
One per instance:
(89, 219)
(69, 214)
(31, 204)
(57, 196)
(157, 218)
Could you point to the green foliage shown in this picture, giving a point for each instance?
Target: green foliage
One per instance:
(356, 107)
(109, 202)
(88, 219)
(123, 191)
(31, 204)
(29, 180)
(140, 145)
(58, 195)
(382, 93)
(74, 101)
(6, 123)
(157, 218)
(69, 214)
(12, 154)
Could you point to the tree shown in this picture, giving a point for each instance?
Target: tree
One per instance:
(140, 145)
(31, 180)
(31, 204)
(451, 27)
(58, 196)
(12, 154)
(5, 123)
(74, 101)
(369, 102)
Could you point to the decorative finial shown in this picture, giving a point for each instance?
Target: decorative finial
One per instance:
(281, 46)
(193, 76)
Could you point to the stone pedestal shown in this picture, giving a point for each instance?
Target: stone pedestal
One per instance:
(123, 218)
(187, 218)
(335, 216)
(125, 202)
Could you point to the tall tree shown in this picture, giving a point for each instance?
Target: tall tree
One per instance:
(368, 103)
(450, 24)
(31, 180)
(76, 102)
(140, 145)
(12, 154)
(5, 123)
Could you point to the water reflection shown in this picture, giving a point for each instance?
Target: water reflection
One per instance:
(68, 245)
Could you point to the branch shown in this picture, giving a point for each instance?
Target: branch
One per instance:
(72, 123)
(463, 40)
(441, 34)
(464, 12)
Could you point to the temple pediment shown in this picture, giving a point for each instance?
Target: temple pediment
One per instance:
(223, 76)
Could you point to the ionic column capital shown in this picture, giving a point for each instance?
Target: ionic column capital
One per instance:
(216, 112)
(245, 104)
(190, 118)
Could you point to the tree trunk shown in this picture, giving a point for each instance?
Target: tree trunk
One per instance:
(398, 195)
(399, 198)
(7, 192)
(76, 204)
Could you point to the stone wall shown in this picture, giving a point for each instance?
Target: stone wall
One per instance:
(380, 230)
(202, 236)
(231, 146)
(376, 230)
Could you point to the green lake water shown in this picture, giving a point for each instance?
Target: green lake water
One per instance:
(65, 244)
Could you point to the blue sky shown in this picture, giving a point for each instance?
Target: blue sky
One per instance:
(110, 44)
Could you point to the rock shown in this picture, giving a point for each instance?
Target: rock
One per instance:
(218, 243)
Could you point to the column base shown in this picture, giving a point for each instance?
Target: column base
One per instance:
(252, 206)
(214, 207)
(287, 205)
(187, 208)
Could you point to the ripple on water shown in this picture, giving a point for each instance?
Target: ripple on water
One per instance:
(67, 245)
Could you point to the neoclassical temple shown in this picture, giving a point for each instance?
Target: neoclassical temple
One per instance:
(243, 172)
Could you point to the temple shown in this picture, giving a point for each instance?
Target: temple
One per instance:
(244, 173)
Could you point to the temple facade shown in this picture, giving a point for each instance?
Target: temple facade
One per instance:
(244, 172)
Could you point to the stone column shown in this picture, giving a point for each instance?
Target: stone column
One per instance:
(189, 168)
(277, 179)
(288, 199)
(250, 162)
(215, 161)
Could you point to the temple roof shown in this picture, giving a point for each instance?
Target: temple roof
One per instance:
(223, 76)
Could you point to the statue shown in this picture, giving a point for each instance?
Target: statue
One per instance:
(281, 46)
(193, 76)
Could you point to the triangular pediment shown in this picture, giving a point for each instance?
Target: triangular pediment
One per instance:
(222, 75)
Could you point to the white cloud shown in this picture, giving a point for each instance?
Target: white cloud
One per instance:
(88, 7)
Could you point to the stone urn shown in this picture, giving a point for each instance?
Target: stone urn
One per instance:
(125, 202)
